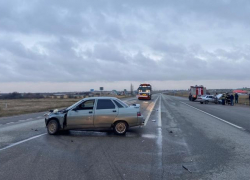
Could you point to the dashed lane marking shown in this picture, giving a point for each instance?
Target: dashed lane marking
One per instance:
(22, 120)
(234, 125)
(10, 123)
(23, 141)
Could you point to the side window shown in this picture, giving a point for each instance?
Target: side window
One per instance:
(86, 105)
(118, 104)
(105, 104)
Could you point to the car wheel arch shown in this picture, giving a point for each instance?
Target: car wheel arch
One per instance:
(53, 118)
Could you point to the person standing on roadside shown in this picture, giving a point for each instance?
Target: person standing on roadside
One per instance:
(232, 99)
(223, 97)
(236, 98)
(249, 99)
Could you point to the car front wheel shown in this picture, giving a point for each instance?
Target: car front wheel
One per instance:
(52, 127)
(120, 128)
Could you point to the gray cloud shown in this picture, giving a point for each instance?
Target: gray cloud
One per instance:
(84, 41)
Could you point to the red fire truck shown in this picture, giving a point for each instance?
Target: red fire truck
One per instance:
(144, 91)
(196, 91)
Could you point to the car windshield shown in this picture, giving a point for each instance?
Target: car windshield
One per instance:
(70, 107)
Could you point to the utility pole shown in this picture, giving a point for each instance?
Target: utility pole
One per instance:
(131, 89)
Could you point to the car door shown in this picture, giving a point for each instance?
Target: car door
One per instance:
(81, 116)
(105, 113)
(211, 99)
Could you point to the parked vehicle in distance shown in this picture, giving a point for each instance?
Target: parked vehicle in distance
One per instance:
(206, 99)
(95, 113)
(196, 92)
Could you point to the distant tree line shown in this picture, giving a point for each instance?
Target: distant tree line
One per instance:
(16, 95)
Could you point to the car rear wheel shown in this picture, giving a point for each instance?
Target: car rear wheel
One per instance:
(120, 128)
(52, 127)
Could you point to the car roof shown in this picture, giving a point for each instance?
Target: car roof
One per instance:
(90, 98)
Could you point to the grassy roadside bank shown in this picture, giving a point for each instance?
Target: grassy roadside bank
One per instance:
(13, 107)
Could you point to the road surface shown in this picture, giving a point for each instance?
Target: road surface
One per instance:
(180, 140)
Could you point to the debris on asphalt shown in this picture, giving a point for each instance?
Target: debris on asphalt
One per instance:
(72, 141)
(153, 120)
(186, 168)
(170, 131)
(36, 130)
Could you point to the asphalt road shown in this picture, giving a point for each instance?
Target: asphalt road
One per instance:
(181, 140)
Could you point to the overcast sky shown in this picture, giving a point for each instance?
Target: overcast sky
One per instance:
(77, 45)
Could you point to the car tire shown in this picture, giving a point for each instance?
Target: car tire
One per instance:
(120, 128)
(201, 102)
(52, 127)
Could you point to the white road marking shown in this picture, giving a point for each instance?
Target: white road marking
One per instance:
(159, 138)
(10, 123)
(22, 120)
(23, 141)
(159, 112)
(146, 120)
(215, 117)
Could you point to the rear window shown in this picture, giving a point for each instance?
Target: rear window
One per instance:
(105, 104)
(123, 103)
(118, 104)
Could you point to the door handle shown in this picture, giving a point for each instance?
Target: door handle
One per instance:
(90, 112)
(114, 110)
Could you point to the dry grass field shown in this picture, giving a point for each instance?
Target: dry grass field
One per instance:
(243, 99)
(24, 106)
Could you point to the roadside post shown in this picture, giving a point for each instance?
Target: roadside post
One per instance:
(125, 92)
(101, 89)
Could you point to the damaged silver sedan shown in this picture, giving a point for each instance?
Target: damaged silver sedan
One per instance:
(95, 113)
